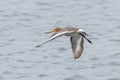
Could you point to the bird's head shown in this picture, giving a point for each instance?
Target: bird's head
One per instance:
(55, 30)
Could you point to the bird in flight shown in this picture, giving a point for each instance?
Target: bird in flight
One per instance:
(77, 37)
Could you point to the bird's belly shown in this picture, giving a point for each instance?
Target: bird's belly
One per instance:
(68, 34)
(72, 34)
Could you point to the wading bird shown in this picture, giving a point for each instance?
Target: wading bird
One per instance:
(77, 37)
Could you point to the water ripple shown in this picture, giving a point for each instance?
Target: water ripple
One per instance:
(23, 23)
(76, 77)
(113, 79)
(42, 75)
(116, 55)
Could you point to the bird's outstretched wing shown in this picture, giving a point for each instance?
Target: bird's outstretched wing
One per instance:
(77, 45)
(54, 36)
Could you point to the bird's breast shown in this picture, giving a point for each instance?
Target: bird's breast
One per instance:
(70, 34)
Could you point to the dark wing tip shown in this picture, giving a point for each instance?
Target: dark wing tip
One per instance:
(89, 41)
(38, 46)
(84, 35)
(41, 44)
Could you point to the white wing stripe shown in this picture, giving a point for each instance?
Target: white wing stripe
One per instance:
(55, 36)
(59, 34)
(78, 44)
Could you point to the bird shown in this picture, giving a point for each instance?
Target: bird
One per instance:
(77, 37)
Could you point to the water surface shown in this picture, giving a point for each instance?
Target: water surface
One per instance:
(22, 27)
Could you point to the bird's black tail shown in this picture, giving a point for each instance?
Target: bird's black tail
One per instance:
(84, 35)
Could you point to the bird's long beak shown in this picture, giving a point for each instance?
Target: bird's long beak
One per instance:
(50, 32)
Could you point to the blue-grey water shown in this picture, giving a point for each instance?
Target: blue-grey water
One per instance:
(22, 27)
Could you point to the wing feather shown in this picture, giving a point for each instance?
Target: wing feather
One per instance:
(77, 42)
(54, 36)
